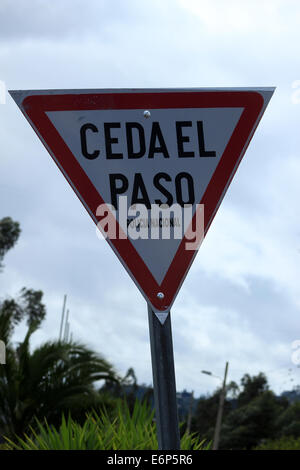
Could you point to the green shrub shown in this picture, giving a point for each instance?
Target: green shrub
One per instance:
(284, 443)
(126, 431)
(4, 447)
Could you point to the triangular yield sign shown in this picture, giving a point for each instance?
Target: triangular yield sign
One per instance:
(154, 147)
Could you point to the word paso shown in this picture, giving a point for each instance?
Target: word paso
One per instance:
(179, 188)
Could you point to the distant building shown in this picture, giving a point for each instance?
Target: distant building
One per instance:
(292, 395)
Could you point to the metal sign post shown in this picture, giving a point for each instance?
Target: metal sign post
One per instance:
(164, 382)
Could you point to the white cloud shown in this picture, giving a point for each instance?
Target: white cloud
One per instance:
(243, 18)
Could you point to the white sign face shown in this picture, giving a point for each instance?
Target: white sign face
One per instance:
(150, 166)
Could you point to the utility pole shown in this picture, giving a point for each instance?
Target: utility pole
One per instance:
(220, 412)
(62, 317)
(67, 327)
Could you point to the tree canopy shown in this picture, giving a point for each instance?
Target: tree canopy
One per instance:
(57, 377)
(9, 234)
(252, 414)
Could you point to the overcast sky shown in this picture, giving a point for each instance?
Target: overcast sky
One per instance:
(241, 300)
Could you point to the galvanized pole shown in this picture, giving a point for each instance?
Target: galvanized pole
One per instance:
(67, 326)
(62, 317)
(164, 382)
(220, 412)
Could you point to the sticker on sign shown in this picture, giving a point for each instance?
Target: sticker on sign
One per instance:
(150, 166)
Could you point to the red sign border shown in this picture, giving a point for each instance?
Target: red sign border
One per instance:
(35, 108)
